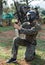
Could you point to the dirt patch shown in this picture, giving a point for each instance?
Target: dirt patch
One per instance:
(19, 62)
(41, 35)
(3, 62)
(5, 36)
(43, 25)
(23, 62)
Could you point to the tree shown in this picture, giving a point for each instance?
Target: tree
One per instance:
(27, 2)
(1, 9)
(43, 12)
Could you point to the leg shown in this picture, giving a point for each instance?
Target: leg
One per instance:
(14, 51)
(16, 44)
(29, 55)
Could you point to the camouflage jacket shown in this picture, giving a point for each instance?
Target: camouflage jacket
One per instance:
(30, 32)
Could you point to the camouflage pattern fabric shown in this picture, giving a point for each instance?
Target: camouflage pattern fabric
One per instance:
(31, 32)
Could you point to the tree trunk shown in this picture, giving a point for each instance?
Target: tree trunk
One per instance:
(1, 12)
(27, 2)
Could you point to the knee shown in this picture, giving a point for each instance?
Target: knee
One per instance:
(16, 40)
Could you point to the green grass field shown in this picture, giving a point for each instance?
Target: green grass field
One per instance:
(5, 49)
(2, 29)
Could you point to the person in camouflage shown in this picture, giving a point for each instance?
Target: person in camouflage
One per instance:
(30, 29)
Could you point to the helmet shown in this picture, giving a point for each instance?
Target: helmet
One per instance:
(31, 16)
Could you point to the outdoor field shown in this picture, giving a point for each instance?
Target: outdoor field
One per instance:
(6, 41)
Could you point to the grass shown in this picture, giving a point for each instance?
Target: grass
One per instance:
(41, 45)
(7, 28)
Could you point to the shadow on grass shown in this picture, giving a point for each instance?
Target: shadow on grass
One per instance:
(38, 61)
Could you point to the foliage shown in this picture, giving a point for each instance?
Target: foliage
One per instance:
(43, 19)
(43, 12)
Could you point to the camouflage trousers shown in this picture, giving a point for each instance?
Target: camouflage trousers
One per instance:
(30, 49)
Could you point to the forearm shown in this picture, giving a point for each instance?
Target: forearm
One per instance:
(31, 31)
(28, 31)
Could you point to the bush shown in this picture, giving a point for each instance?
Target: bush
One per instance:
(43, 19)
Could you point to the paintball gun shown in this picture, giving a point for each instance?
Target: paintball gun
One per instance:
(21, 11)
(17, 11)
